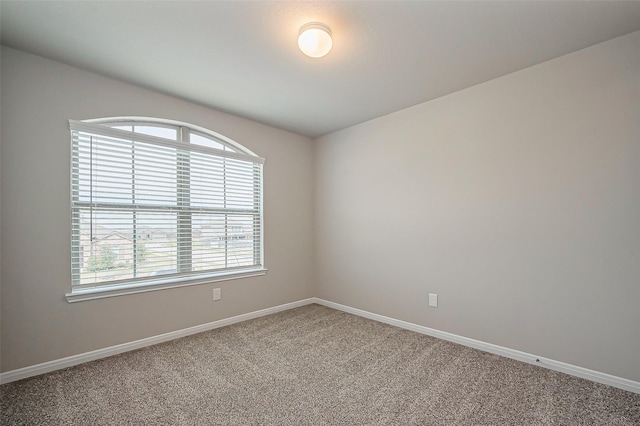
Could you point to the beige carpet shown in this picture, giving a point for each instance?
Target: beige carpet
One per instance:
(312, 366)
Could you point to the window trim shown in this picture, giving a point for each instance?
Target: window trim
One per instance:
(92, 293)
(239, 152)
(244, 153)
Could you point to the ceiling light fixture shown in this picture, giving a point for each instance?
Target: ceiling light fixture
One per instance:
(315, 39)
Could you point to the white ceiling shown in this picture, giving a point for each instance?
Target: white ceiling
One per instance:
(242, 57)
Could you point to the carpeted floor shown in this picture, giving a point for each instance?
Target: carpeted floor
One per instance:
(312, 366)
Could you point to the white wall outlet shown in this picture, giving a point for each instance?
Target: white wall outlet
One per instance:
(216, 294)
(433, 300)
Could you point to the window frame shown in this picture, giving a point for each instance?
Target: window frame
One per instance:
(231, 150)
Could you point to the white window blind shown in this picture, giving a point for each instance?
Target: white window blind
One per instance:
(154, 203)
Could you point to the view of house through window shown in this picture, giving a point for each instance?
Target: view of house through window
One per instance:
(155, 201)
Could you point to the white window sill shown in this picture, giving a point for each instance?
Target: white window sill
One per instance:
(80, 295)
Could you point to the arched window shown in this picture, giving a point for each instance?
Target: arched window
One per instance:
(160, 203)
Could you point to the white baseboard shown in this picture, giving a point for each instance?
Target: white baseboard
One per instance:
(595, 376)
(573, 370)
(46, 367)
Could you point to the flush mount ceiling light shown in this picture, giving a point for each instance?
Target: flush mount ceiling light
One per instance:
(315, 39)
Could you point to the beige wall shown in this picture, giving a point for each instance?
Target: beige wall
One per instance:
(38, 98)
(516, 201)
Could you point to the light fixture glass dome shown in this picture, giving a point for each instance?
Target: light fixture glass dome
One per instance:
(315, 39)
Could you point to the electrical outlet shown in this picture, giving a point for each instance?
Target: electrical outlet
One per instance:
(216, 294)
(433, 300)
